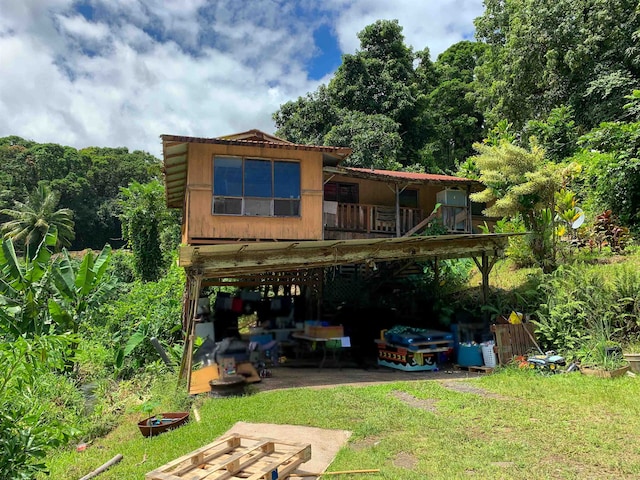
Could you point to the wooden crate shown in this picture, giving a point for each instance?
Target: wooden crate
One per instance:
(512, 340)
(236, 457)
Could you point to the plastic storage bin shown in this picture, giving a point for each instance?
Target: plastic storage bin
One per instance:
(469, 355)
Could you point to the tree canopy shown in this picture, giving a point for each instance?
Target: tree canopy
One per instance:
(85, 182)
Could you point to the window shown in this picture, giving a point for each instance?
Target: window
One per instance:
(256, 187)
(409, 198)
(341, 192)
(478, 208)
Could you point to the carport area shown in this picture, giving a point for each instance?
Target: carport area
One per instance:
(256, 264)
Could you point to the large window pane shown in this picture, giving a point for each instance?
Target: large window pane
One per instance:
(257, 178)
(227, 176)
(286, 208)
(257, 206)
(227, 206)
(286, 180)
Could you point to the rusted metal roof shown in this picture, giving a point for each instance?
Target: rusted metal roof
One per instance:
(392, 176)
(241, 259)
(175, 149)
(412, 175)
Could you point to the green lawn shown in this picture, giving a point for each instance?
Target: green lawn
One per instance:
(514, 424)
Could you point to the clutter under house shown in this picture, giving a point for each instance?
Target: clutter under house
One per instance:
(246, 336)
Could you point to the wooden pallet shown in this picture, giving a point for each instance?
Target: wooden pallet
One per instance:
(512, 340)
(236, 457)
(479, 369)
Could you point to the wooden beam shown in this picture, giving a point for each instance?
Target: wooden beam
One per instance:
(398, 211)
(469, 222)
(485, 265)
(423, 223)
(229, 266)
(189, 306)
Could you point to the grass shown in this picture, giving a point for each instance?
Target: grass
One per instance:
(528, 425)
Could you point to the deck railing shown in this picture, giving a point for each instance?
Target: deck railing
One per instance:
(379, 219)
(353, 217)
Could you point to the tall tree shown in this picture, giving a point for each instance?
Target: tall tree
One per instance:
(458, 122)
(374, 138)
(308, 119)
(557, 134)
(545, 53)
(379, 80)
(143, 217)
(31, 220)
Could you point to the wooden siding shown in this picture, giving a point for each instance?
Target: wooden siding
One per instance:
(201, 226)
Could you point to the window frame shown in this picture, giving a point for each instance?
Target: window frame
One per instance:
(354, 192)
(252, 203)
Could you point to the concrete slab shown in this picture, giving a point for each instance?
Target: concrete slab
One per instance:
(325, 444)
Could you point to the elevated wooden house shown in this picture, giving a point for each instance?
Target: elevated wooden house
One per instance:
(258, 210)
(253, 186)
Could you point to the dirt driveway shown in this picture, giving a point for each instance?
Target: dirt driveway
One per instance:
(293, 377)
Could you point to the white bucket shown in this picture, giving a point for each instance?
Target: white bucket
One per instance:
(488, 354)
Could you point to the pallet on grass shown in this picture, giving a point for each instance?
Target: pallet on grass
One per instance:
(236, 457)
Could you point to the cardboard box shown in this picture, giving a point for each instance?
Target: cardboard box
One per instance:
(200, 379)
(335, 331)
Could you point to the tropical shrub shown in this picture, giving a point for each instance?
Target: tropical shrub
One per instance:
(612, 170)
(147, 309)
(150, 229)
(27, 427)
(583, 304)
(606, 229)
(122, 266)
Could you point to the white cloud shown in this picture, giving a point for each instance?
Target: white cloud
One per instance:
(436, 24)
(138, 69)
(78, 26)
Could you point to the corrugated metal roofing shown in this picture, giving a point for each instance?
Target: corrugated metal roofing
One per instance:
(266, 140)
(412, 175)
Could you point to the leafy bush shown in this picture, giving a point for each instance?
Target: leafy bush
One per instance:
(611, 175)
(147, 309)
(29, 425)
(518, 248)
(606, 229)
(122, 266)
(584, 304)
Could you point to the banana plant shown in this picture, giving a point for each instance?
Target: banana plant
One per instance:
(79, 291)
(24, 288)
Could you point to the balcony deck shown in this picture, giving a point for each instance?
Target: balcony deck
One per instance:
(352, 220)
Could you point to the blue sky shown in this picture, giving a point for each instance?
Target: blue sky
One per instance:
(122, 72)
